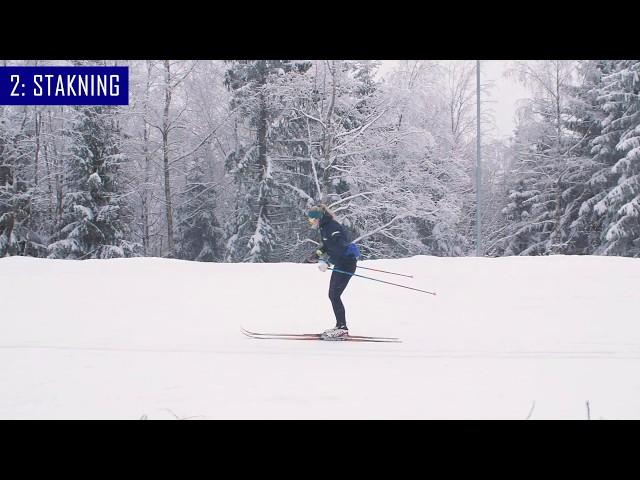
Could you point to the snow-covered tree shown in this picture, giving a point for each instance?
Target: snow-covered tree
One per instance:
(96, 219)
(225, 158)
(546, 165)
(619, 144)
(200, 235)
(250, 232)
(585, 230)
(22, 201)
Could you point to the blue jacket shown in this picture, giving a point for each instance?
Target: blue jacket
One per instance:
(336, 241)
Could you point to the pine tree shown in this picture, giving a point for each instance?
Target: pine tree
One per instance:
(200, 236)
(585, 230)
(530, 211)
(251, 236)
(619, 145)
(96, 220)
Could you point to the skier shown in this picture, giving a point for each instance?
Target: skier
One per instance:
(336, 249)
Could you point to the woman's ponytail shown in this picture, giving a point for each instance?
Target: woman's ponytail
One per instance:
(326, 210)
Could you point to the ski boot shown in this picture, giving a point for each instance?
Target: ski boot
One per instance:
(337, 333)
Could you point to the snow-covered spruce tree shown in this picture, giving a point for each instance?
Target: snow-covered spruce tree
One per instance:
(96, 219)
(593, 175)
(545, 162)
(250, 231)
(529, 211)
(293, 171)
(619, 145)
(200, 236)
(519, 234)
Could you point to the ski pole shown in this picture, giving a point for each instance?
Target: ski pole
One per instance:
(384, 271)
(397, 285)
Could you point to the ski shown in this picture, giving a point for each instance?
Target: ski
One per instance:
(312, 335)
(318, 336)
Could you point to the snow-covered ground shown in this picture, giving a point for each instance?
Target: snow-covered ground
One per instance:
(160, 339)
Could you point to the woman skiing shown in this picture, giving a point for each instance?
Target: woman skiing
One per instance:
(338, 250)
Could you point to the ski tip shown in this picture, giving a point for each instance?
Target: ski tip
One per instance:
(247, 333)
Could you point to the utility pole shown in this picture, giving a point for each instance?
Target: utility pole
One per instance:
(478, 170)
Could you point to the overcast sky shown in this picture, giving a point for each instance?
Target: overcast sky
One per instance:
(503, 96)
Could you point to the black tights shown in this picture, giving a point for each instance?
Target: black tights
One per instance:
(337, 285)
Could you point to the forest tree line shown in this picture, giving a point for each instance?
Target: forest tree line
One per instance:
(219, 161)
